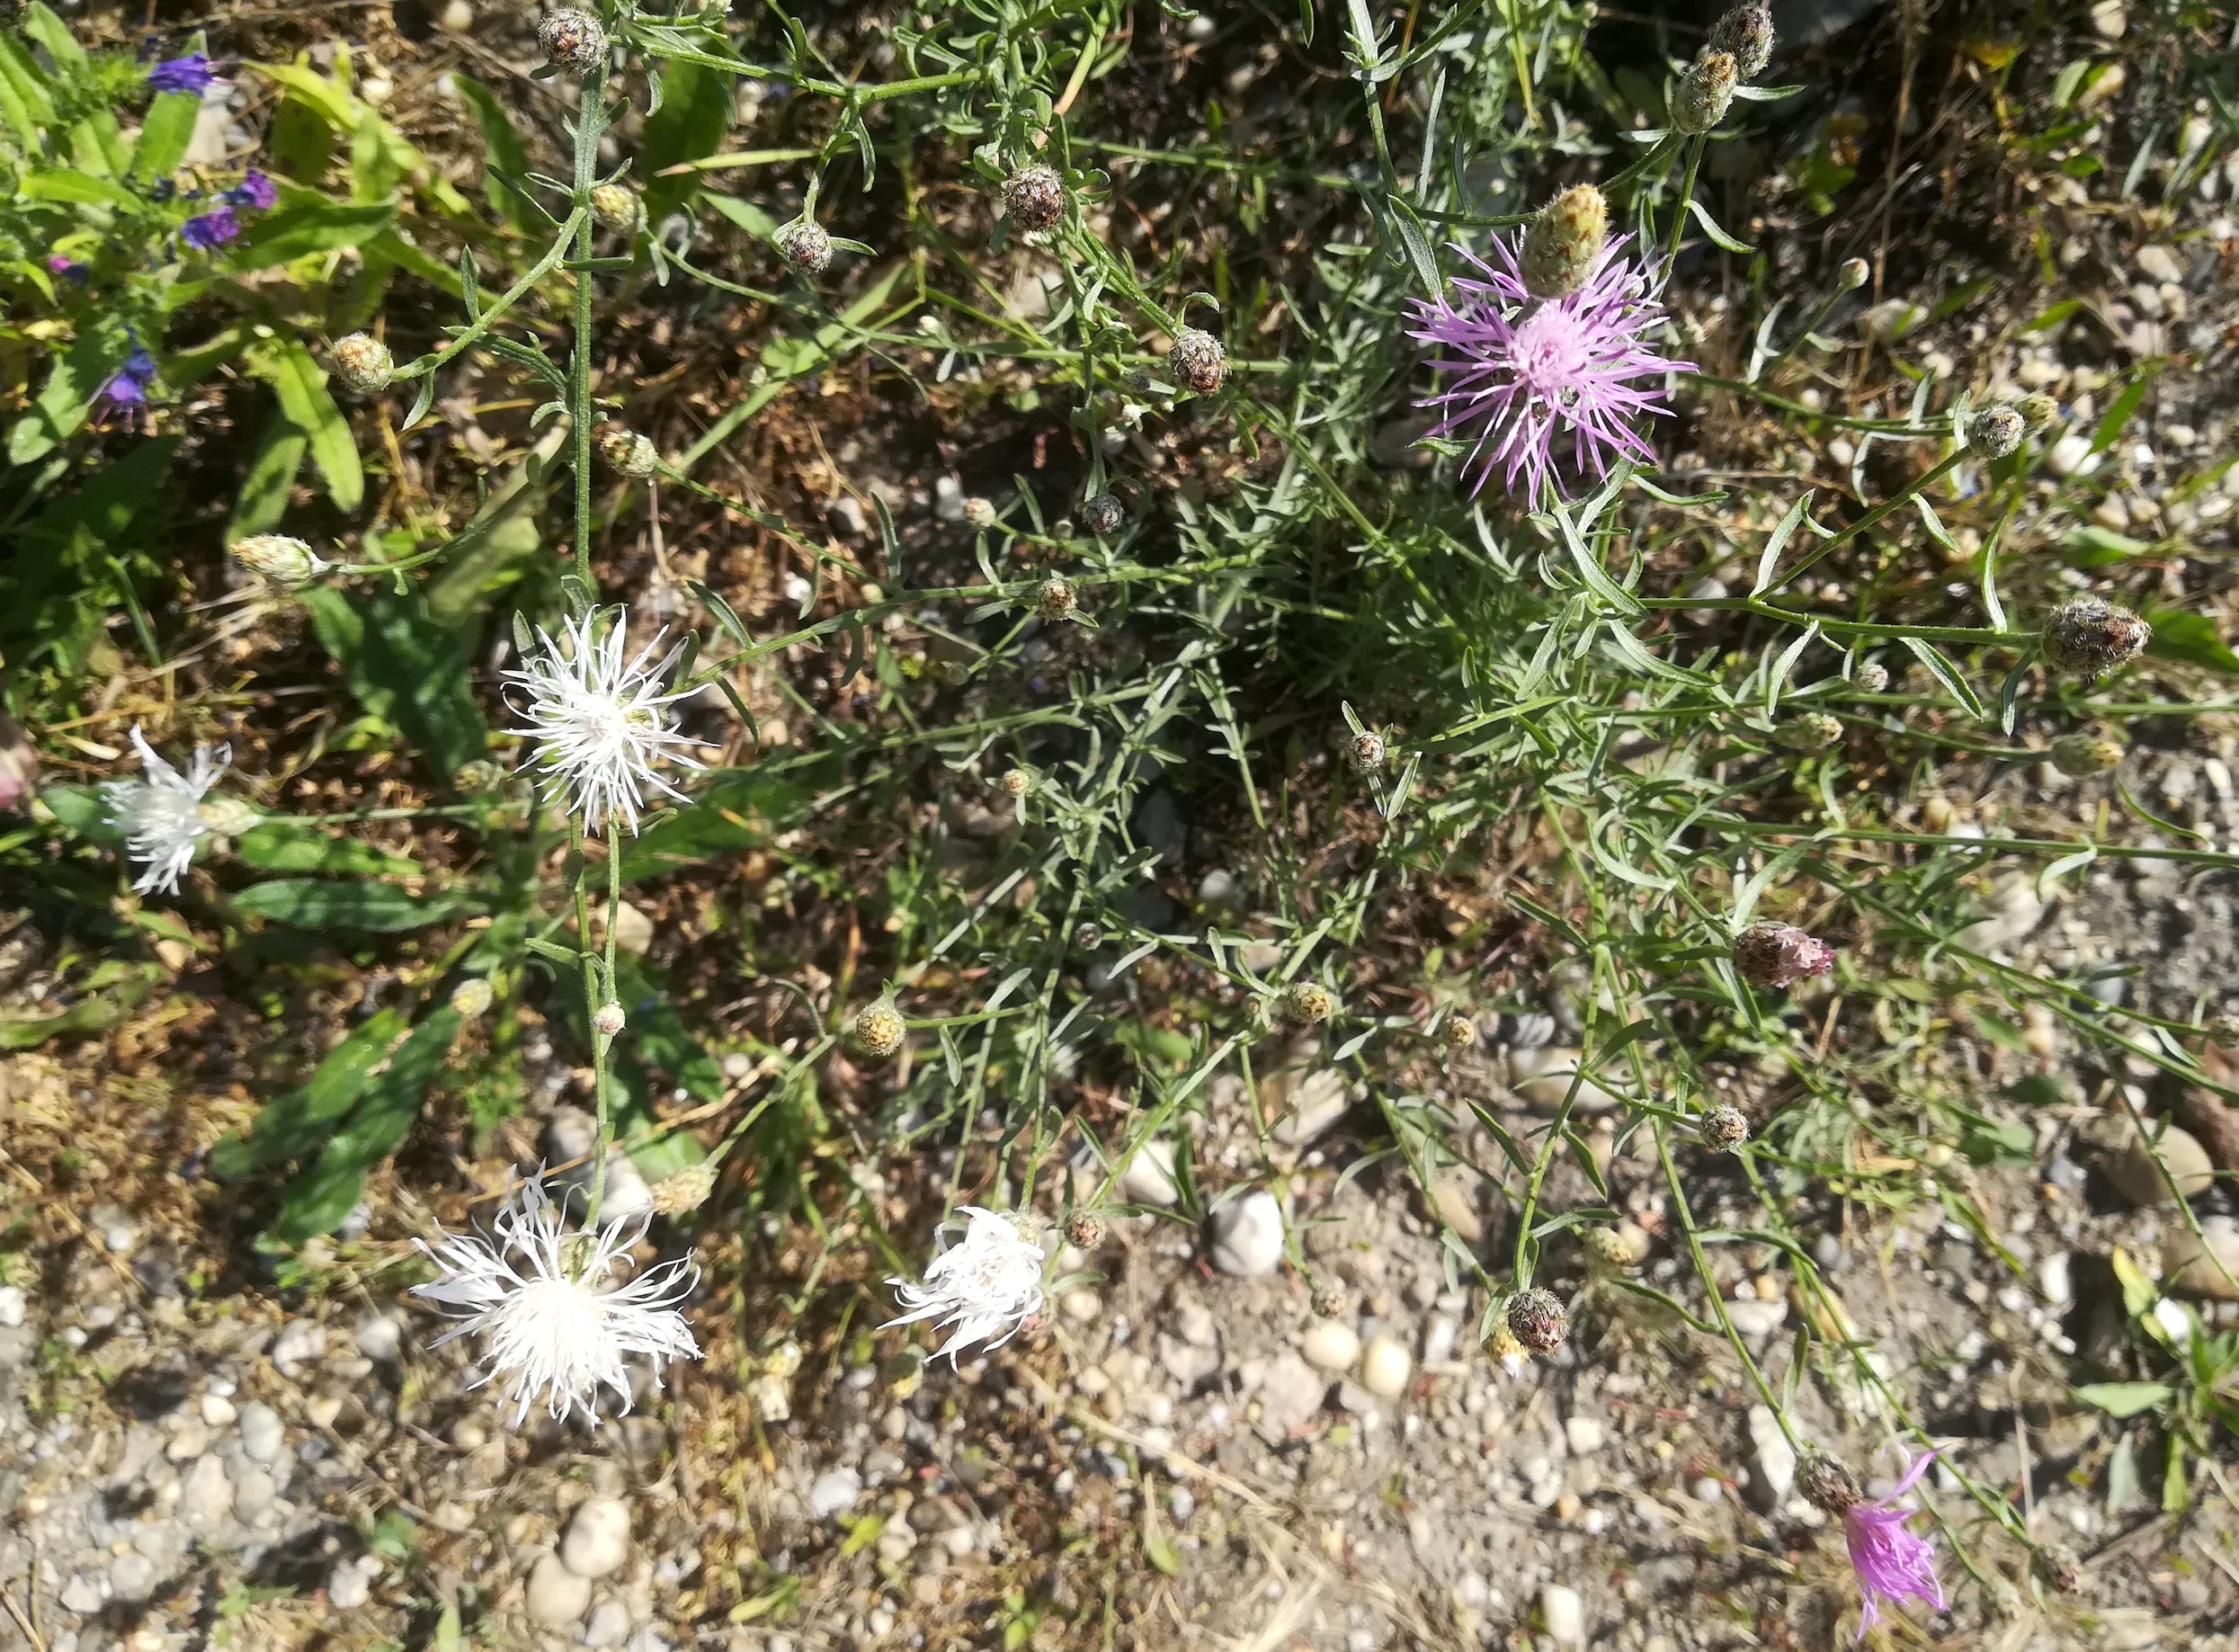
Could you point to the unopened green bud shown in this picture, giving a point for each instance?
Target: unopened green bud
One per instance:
(1704, 94)
(617, 209)
(1034, 197)
(2091, 636)
(805, 248)
(878, 1030)
(978, 513)
(1103, 514)
(1995, 432)
(1366, 752)
(2038, 411)
(685, 1190)
(1872, 677)
(1055, 599)
(610, 1020)
(1810, 732)
(571, 41)
(282, 560)
(472, 996)
(627, 453)
(1746, 33)
(2080, 756)
(1853, 274)
(1198, 361)
(1305, 1004)
(363, 362)
(1725, 1127)
(1016, 783)
(1563, 241)
(227, 817)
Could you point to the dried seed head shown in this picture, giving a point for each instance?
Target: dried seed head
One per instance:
(1103, 515)
(363, 362)
(978, 513)
(1779, 955)
(1725, 1127)
(1827, 1484)
(571, 41)
(1198, 361)
(627, 453)
(610, 1020)
(1016, 783)
(805, 248)
(2080, 756)
(878, 1030)
(227, 817)
(1704, 94)
(2091, 636)
(1305, 1004)
(685, 1190)
(617, 209)
(1810, 732)
(1329, 1300)
(1853, 274)
(472, 996)
(2037, 411)
(1055, 599)
(1609, 1250)
(1872, 677)
(1460, 1032)
(1745, 32)
(1535, 1319)
(1034, 197)
(1995, 430)
(1563, 241)
(279, 558)
(1367, 752)
(1082, 1231)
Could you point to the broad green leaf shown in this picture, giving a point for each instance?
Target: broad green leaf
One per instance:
(166, 133)
(265, 491)
(77, 187)
(59, 411)
(405, 669)
(377, 1127)
(734, 811)
(2126, 1399)
(2118, 415)
(697, 109)
(301, 384)
(302, 228)
(283, 845)
(2191, 638)
(83, 811)
(503, 152)
(373, 909)
(295, 1123)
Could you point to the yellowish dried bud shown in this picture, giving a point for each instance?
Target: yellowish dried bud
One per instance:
(1563, 241)
(1704, 94)
(1016, 783)
(2080, 756)
(878, 1030)
(627, 453)
(279, 558)
(1082, 1231)
(363, 362)
(227, 817)
(685, 1189)
(617, 209)
(1055, 599)
(1305, 1004)
(1810, 732)
(472, 996)
(1460, 1032)
(979, 513)
(1746, 33)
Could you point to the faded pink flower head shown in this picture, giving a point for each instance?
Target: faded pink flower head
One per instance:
(1535, 376)
(1779, 955)
(1892, 1563)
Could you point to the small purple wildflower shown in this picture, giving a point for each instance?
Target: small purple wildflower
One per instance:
(1890, 1562)
(58, 264)
(256, 191)
(212, 229)
(1531, 372)
(190, 73)
(127, 390)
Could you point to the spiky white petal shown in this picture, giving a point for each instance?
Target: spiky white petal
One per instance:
(987, 1284)
(160, 813)
(535, 1291)
(600, 719)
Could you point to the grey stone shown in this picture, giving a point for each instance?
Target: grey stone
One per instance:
(263, 1434)
(835, 1493)
(1149, 1177)
(1331, 1346)
(556, 1595)
(378, 1337)
(1562, 1614)
(1290, 1393)
(301, 1343)
(609, 1624)
(2135, 1167)
(252, 1494)
(1185, 1362)
(2197, 1272)
(1385, 1367)
(132, 1576)
(205, 1494)
(12, 1305)
(82, 1595)
(1772, 1461)
(1316, 1104)
(1248, 1234)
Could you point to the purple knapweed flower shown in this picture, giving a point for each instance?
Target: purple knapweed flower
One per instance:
(1779, 955)
(69, 268)
(1534, 371)
(212, 229)
(1892, 1563)
(256, 191)
(127, 390)
(192, 72)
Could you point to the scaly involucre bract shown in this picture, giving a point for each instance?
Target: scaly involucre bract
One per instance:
(160, 813)
(535, 1291)
(987, 1284)
(1533, 378)
(600, 719)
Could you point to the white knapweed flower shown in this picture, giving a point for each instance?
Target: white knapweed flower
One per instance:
(160, 814)
(987, 1284)
(602, 720)
(2174, 1319)
(535, 1291)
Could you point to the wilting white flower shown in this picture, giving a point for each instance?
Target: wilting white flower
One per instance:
(2175, 1319)
(536, 1291)
(986, 1285)
(160, 814)
(602, 719)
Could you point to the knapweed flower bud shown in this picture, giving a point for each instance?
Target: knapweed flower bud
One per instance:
(1563, 241)
(2080, 756)
(805, 248)
(571, 41)
(1704, 94)
(1994, 432)
(1535, 1319)
(1746, 33)
(978, 513)
(279, 558)
(227, 817)
(2091, 636)
(627, 454)
(1082, 1231)
(1608, 1251)
(1198, 361)
(1087, 937)
(480, 775)
(1055, 599)
(1103, 515)
(1460, 1032)
(1725, 1127)
(362, 363)
(1329, 1300)
(1366, 752)
(1872, 677)
(1305, 1004)
(617, 209)
(1827, 1484)
(878, 1030)
(2038, 411)
(610, 1020)
(1810, 732)
(685, 1190)
(1779, 955)
(1853, 274)
(1016, 783)
(2225, 1029)
(1034, 197)
(472, 996)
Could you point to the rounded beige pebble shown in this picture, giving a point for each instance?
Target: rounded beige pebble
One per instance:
(598, 1539)
(1385, 1367)
(1330, 1345)
(556, 1595)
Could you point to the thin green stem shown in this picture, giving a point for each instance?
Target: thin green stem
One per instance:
(589, 122)
(1686, 195)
